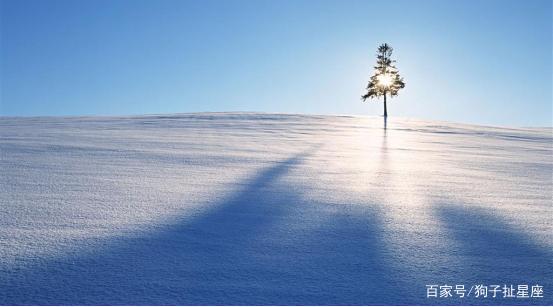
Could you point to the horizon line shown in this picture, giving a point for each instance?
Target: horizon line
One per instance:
(268, 113)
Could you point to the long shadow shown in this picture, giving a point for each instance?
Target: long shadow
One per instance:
(260, 247)
(490, 252)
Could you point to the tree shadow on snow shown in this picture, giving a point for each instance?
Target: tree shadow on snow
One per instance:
(489, 251)
(256, 248)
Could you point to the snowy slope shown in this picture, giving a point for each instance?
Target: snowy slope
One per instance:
(233, 208)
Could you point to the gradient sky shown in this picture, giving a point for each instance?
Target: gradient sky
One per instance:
(486, 62)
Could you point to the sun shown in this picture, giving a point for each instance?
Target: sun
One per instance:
(384, 80)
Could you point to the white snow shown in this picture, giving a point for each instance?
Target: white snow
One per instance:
(239, 208)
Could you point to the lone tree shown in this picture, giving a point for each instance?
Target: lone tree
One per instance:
(386, 79)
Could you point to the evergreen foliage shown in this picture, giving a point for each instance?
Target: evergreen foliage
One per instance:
(386, 79)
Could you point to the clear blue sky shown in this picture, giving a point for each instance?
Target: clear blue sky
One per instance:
(484, 62)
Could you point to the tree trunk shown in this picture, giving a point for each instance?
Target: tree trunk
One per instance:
(385, 109)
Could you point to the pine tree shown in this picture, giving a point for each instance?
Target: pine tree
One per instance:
(386, 79)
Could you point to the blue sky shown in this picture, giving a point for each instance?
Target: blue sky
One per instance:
(484, 62)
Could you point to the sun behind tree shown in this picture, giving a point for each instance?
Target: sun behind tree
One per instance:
(386, 79)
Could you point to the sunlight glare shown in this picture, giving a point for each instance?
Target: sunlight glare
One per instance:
(385, 80)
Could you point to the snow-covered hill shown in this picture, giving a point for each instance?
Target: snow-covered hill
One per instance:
(234, 208)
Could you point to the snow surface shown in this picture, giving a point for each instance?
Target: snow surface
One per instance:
(238, 208)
